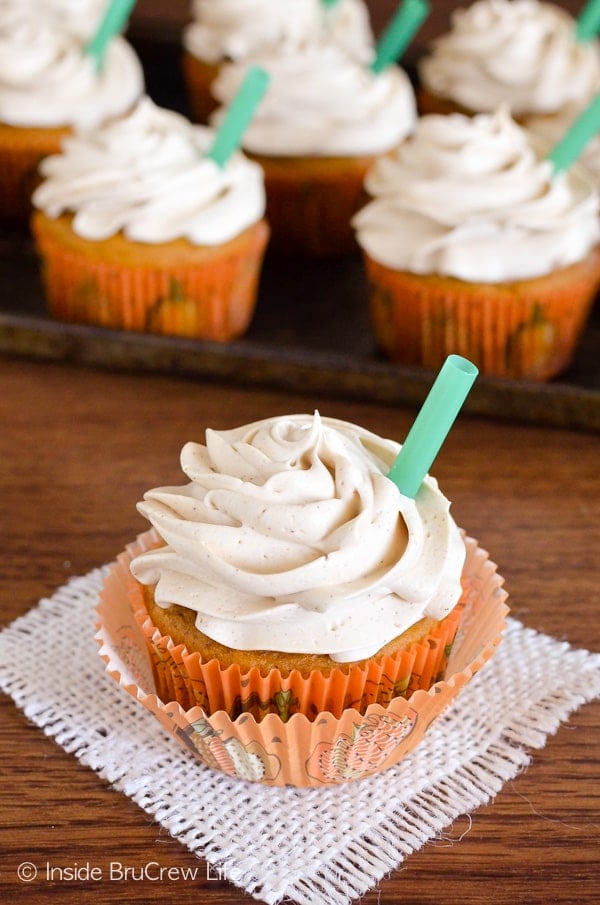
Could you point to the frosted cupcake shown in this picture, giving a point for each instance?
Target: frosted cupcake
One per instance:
(293, 617)
(291, 563)
(138, 229)
(522, 53)
(48, 87)
(233, 30)
(323, 121)
(472, 246)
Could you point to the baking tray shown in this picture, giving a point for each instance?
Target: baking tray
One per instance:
(310, 332)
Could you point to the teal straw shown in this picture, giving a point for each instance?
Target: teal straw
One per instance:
(432, 424)
(572, 144)
(588, 22)
(113, 22)
(238, 115)
(400, 31)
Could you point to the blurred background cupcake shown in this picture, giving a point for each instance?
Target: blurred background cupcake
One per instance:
(138, 228)
(50, 85)
(324, 119)
(523, 53)
(473, 245)
(224, 31)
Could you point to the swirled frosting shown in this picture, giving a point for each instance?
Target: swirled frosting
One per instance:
(321, 102)
(290, 537)
(470, 197)
(235, 29)
(148, 176)
(518, 52)
(46, 79)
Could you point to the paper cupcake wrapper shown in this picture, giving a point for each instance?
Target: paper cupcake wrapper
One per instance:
(191, 681)
(198, 77)
(173, 289)
(311, 201)
(527, 329)
(299, 751)
(21, 151)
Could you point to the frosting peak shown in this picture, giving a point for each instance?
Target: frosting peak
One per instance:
(290, 537)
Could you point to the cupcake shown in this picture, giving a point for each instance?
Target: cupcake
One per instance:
(48, 87)
(292, 615)
(550, 130)
(324, 119)
(223, 31)
(138, 229)
(473, 246)
(522, 53)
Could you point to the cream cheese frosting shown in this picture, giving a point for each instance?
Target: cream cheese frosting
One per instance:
(520, 52)
(46, 79)
(290, 537)
(470, 197)
(551, 128)
(235, 29)
(80, 16)
(148, 176)
(321, 102)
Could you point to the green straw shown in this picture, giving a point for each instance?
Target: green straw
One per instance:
(113, 22)
(238, 115)
(399, 33)
(432, 424)
(588, 22)
(571, 145)
(329, 4)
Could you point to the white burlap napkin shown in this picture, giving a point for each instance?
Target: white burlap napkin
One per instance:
(325, 846)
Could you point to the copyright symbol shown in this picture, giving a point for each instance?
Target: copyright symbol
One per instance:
(26, 872)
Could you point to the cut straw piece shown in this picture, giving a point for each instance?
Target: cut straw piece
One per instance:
(588, 22)
(400, 31)
(432, 424)
(572, 144)
(239, 113)
(113, 22)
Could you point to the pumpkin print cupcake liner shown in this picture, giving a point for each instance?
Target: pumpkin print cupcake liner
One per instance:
(526, 329)
(173, 288)
(292, 749)
(21, 150)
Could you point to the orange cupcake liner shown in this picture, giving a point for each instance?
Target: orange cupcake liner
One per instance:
(198, 77)
(527, 329)
(21, 151)
(173, 289)
(311, 201)
(299, 751)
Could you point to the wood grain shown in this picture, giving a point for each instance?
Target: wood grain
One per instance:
(77, 449)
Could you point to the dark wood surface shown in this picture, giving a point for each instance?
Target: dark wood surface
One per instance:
(77, 449)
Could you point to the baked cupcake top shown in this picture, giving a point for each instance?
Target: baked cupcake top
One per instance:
(147, 175)
(471, 197)
(290, 537)
(47, 80)
(235, 29)
(520, 52)
(321, 102)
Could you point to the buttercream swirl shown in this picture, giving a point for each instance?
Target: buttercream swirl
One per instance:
(322, 102)
(470, 197)
(520, 52)
(46, 79)
(235, 29)
(290, 537)
(79, 16)
(550, 129)
(148, 176)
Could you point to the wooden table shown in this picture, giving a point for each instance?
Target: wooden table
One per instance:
(78, 448)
